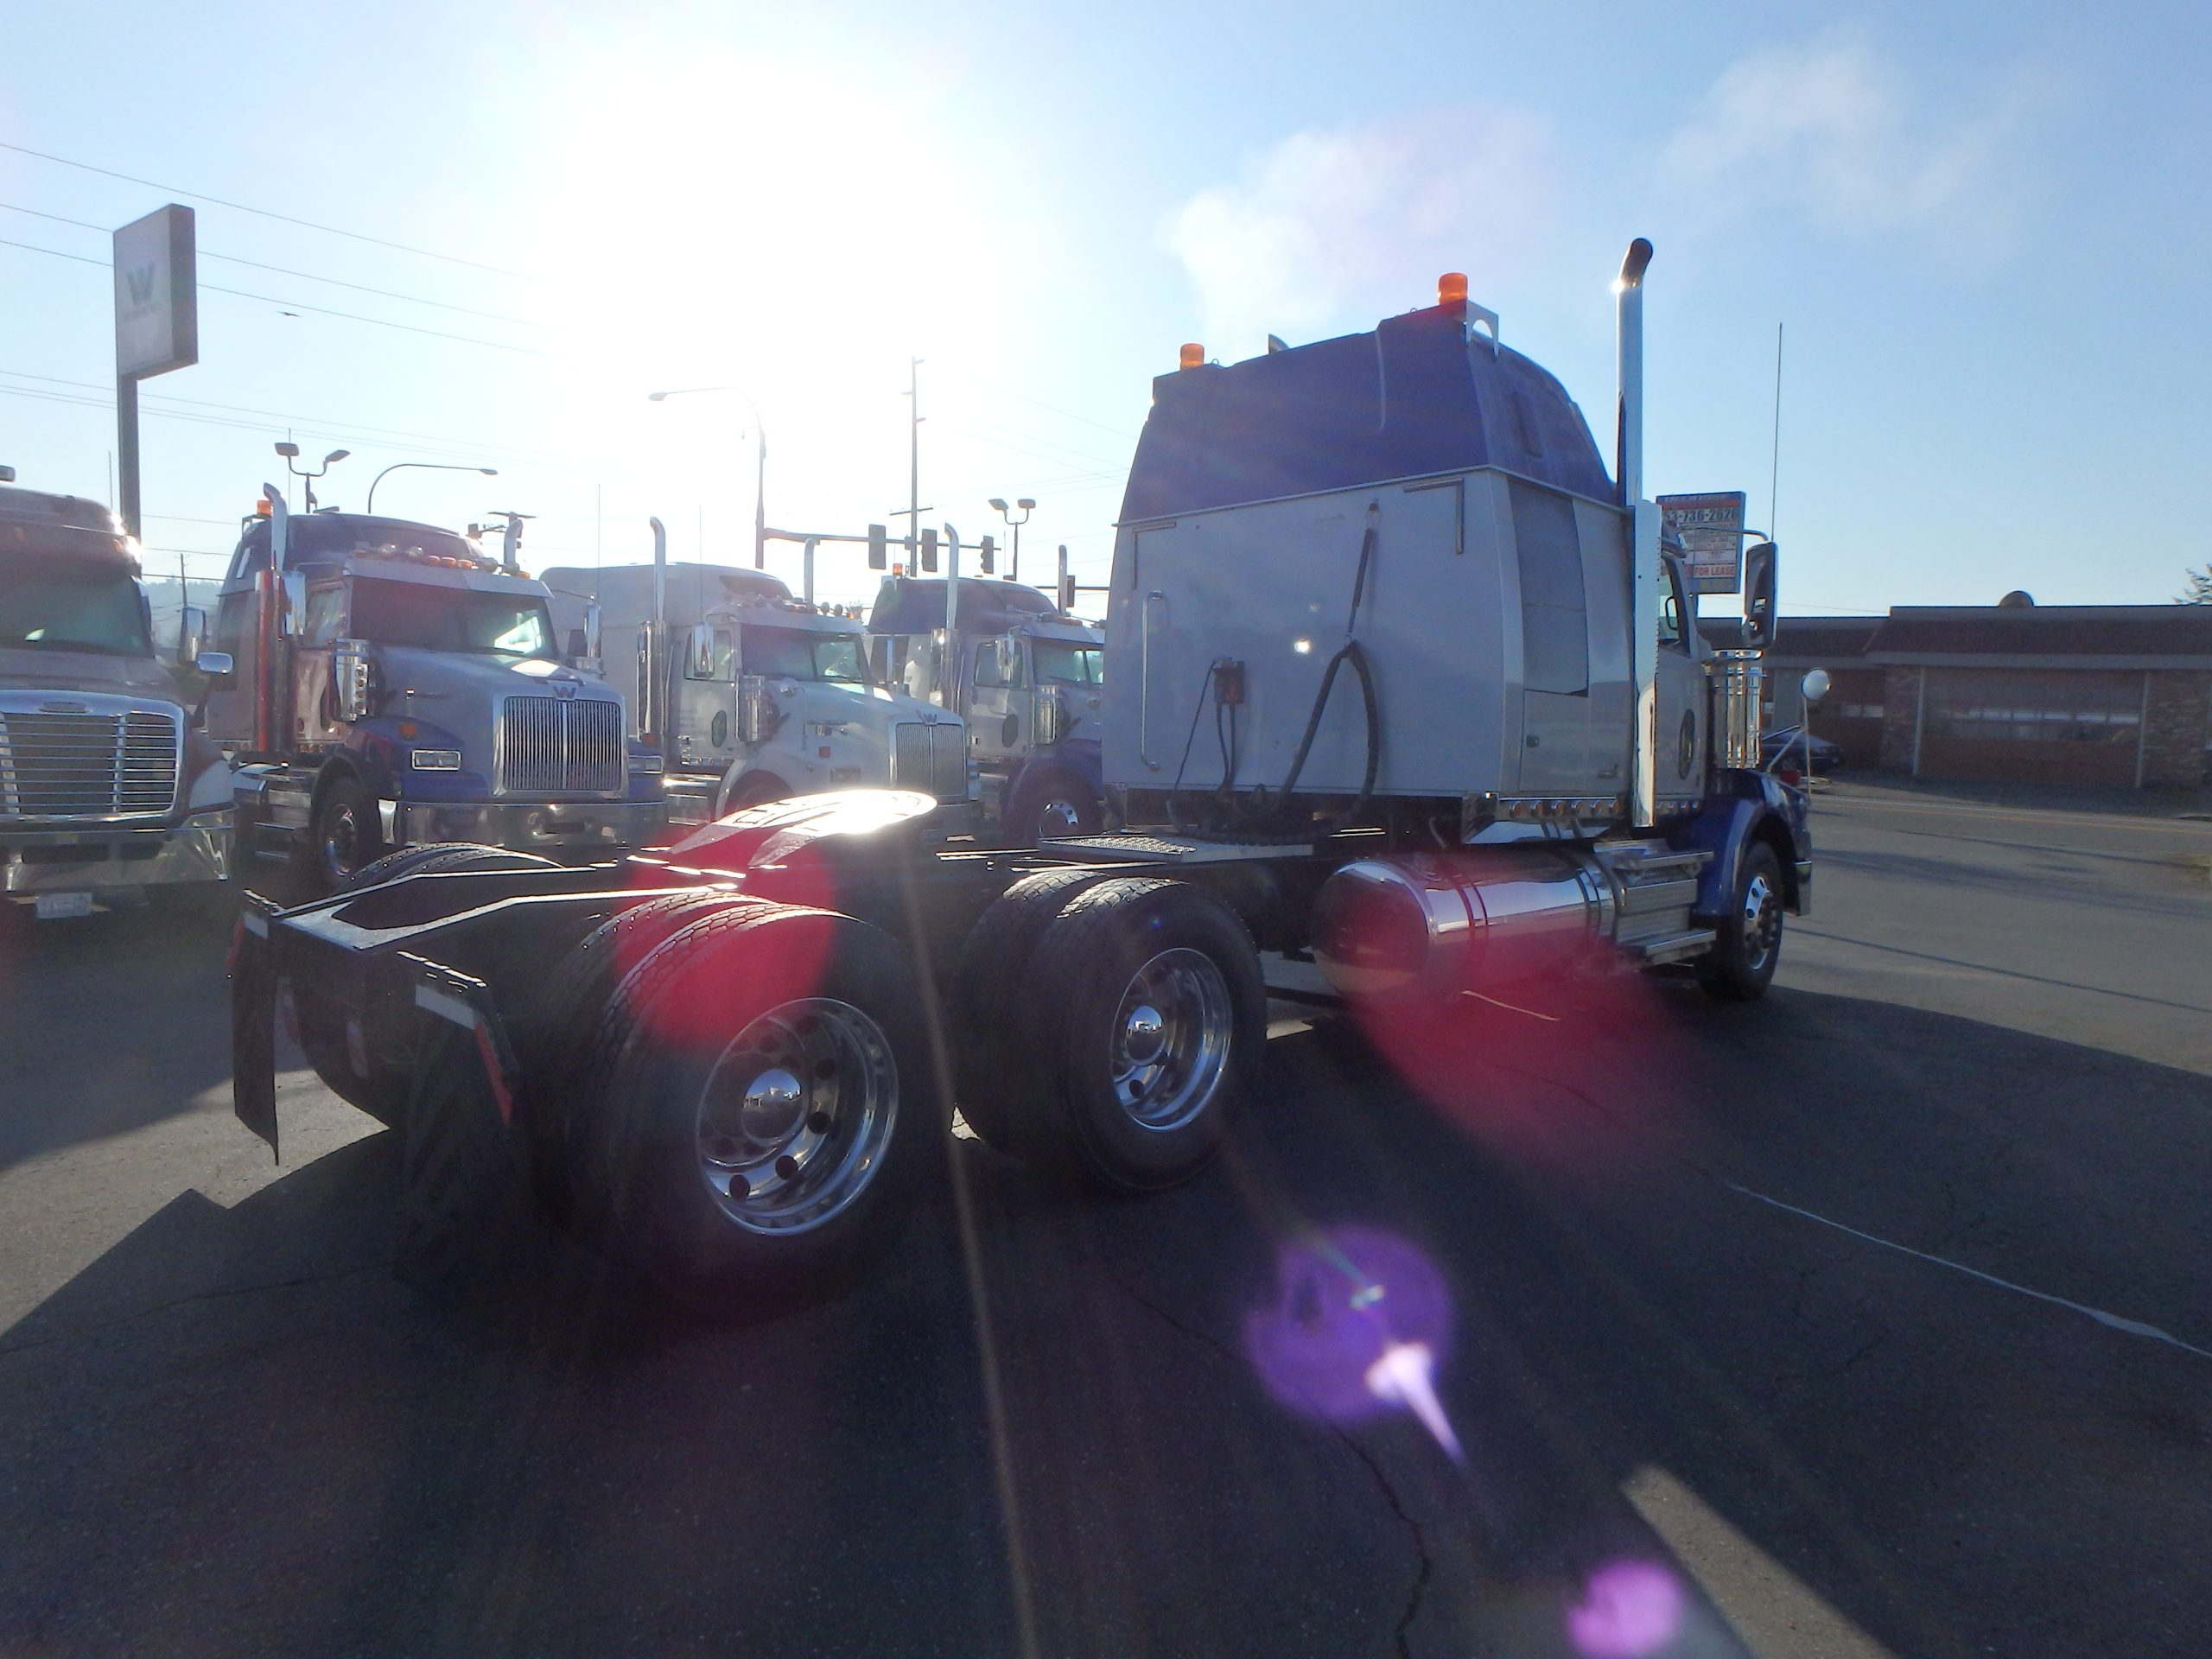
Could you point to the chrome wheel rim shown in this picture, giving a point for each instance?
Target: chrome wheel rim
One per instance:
(794, 1119)
(1168, 1047)
(1058, 818)
(341, 842)
(1762, 922)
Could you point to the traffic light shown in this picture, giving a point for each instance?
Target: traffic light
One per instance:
(879, 548)
(989, 552)
(929, 552)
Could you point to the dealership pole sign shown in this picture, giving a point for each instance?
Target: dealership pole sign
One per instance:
(1711, 527)
(156, 325)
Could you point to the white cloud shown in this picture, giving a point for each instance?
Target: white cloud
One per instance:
(1323, 227)
(1835, 130)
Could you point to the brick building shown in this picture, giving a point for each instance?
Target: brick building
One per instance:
(2116, 695)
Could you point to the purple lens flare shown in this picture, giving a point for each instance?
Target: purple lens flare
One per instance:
(1628, 1609)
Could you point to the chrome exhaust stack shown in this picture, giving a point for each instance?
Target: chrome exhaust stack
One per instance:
(1644, 540)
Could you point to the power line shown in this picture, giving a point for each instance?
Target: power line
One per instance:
(263, 213)
(300, 305)
(285, 271)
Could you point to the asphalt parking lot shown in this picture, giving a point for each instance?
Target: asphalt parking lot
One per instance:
(1875, 1318)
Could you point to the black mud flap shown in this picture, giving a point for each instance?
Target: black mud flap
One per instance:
(467, 1221)
(254, 1020)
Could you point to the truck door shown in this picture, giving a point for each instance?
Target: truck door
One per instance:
(995, 680)
(1678, 754)
(706, 705)
(314, 711)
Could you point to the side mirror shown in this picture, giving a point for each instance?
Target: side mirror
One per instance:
(594, 620)
(191, 634)
(216, 665)
(1759, 616)
(702, 663)
(294, 612)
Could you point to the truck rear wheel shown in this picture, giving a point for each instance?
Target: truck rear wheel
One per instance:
(1149, 1026)
(994, 1069)
(1050, 802)
(764, 1102)
(1748, 943)
(456, 855)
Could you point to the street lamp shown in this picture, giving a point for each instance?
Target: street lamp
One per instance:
(760, 462)
(427, 466)
(291, 452)
(1027, 507)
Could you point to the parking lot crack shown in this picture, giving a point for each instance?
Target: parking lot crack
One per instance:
(1424, 1562)
(82, 1333)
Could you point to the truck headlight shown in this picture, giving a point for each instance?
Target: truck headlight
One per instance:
(648, 764)
(435, 760)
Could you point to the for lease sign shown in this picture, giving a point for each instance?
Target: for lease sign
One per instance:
(1711, 526)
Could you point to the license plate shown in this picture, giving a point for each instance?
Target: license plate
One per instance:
(55, 907)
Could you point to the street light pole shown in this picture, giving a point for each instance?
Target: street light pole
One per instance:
(1015, 525)
(761, 462)
(291, 452)
(427, 466)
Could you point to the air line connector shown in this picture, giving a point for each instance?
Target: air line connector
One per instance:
(1228, 675)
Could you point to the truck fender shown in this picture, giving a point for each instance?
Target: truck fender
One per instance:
(1727, 827)
(254, 987)
(738, 780)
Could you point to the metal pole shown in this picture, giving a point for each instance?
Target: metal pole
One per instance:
(806, 572)
(1018, 522)
(949, 677)
(760, 494)
(126, 448)
(914, 459)
(1774, 460)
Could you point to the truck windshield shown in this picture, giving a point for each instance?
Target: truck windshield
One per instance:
(1069, 664)
(47, 606)
(802, 656)
(450, 619)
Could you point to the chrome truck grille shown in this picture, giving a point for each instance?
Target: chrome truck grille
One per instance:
(88, 765)
(930, 759)
(549, 745)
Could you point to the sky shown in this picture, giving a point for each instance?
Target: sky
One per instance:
(480, 233)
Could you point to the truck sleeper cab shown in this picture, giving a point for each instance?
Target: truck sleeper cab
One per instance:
(106, 791)
(1027, 679)
(767, 1009)
(761, 696)
(394, 686)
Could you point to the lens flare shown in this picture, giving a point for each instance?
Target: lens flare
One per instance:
(1628, 1609)
(1359, 1325)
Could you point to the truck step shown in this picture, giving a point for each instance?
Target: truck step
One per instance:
(1649, 860)
(1672, 947)
(1648, 897)
(1155, 849)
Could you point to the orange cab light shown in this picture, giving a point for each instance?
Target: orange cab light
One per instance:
(1452, 287)
(1194, 355)
(264, 508)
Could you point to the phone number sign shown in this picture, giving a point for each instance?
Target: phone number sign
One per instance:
(1711, 527)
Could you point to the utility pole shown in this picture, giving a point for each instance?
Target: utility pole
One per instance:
(914, 508)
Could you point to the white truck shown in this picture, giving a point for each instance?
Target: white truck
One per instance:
(107, 794)
(396, 686)
(751, 694)
(1026, 678)
(1462, 733)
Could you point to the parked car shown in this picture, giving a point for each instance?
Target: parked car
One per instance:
(1786, 745)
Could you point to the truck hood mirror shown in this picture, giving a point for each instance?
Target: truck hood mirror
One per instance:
(1815, 686)
(594, 623)
(701, 665)
(215, 665)
(1760, 614)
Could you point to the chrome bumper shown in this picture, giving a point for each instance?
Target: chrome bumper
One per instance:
(535, 826)
(114, 861)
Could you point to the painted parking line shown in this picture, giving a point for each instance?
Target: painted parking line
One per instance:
(2112, 1321)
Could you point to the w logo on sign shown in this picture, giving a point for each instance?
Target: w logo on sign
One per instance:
(140, 279)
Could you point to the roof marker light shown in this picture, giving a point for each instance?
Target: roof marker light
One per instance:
(1452, 287)
(1194, 355)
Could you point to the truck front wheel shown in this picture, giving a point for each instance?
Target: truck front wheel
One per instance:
(1748, 943)
(1148, 1021)
(764, 1107)
(1049, 804)
(342, 836)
